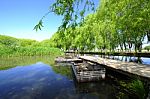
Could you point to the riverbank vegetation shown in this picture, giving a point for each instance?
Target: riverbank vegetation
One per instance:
(138, 88)
(10, 46)
(121, 24)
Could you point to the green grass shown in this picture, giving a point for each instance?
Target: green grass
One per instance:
(29, 51)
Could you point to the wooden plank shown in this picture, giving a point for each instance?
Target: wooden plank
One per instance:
(59, 59)
(127, 67)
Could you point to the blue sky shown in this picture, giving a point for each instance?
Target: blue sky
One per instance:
(18, 18)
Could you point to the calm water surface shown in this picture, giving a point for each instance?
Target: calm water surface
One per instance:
(39, 78)
(141, 60)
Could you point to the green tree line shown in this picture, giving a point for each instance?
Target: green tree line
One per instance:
(116, 24)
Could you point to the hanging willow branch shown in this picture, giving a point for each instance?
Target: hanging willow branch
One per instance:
(71, 10)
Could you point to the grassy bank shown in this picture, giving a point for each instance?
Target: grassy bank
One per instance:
(29, 51)
(10, 46)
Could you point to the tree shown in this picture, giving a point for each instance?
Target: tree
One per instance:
(71, 10)
(115, 24)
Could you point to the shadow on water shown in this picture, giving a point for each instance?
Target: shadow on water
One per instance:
(39, 77)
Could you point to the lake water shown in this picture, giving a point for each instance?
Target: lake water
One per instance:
(40, 78)
(140, 60)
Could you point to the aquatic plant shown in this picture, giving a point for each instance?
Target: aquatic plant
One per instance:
(137, 86)
(122, 95)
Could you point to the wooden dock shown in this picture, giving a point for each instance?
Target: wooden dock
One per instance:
(127, 68)
(64, 60)
(83, 71)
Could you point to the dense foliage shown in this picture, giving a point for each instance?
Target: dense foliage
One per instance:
(116, 24)
(10, 46)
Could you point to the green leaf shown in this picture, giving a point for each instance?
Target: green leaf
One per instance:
(82, 13)
(38, 26)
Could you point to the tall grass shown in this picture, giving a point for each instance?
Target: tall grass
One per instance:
(29, 51)
(10, 46)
